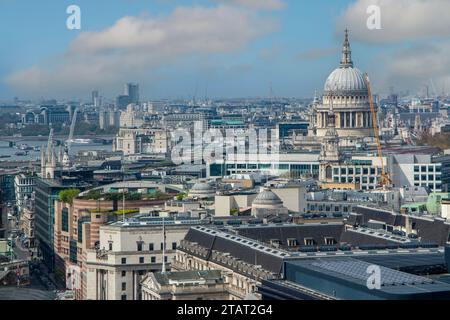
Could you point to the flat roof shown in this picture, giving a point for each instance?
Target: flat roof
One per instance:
(355, 271)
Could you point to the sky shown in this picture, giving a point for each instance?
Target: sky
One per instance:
(217, 48)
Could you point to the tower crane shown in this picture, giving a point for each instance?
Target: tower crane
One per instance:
(385, 180)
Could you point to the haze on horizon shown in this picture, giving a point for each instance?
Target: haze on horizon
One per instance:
(219, 48)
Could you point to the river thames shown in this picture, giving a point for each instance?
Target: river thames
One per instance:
(8, 153)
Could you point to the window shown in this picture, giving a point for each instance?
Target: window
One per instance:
(124, 297)
(139, 246)
(309, 241)
(110, 246)
(416, 168)
(329, 241)
(124, 286)
(124, 260)
(162, 246)
(65, 219)
(124, 273)
(174, 246)
(153, 259)
(151, 247)
(141, 259)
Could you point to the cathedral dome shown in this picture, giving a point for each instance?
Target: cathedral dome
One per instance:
(346, 79)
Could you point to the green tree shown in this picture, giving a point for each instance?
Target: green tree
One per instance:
(93, 195)
(68, 195)
(181, 196)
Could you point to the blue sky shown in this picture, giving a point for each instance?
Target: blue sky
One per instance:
(238, 51)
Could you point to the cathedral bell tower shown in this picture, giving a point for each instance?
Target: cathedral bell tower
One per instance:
(329, 153)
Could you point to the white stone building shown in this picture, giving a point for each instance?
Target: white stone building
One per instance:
(127, 252)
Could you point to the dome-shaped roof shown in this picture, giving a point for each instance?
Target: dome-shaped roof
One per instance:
(267, 197)
(202, 186)
(346, 79)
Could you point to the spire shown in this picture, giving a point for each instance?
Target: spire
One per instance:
(42, 162)
(346, 61)
(53, 159)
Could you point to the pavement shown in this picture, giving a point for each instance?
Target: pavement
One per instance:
(21, 252)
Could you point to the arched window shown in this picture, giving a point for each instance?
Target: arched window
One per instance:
(329, 172)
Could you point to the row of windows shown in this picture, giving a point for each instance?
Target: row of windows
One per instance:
(282, 166)
(431, 177)
(142, 260)
(427, 168)
(432, 186)
(365, 180)
(140, 272)
(356, 170)
(329, 208)
(151, 246)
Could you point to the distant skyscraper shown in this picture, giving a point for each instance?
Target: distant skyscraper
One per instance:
(132, 90)
(122, 101)
(95, 98)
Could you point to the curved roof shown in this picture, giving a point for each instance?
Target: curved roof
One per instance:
(346, 79)
(267, 197)
(202, 186)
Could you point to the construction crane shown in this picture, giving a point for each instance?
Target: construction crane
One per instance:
(385, 180)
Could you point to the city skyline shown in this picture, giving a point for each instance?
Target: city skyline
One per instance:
(239, 48)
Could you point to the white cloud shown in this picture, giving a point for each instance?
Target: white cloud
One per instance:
(136, 47)
(416, 35)
(401, 20)
(415, 66)
(257, 4)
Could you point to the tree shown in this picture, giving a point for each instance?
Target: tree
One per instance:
(181, 196)
(67, 196)
(93, 195)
